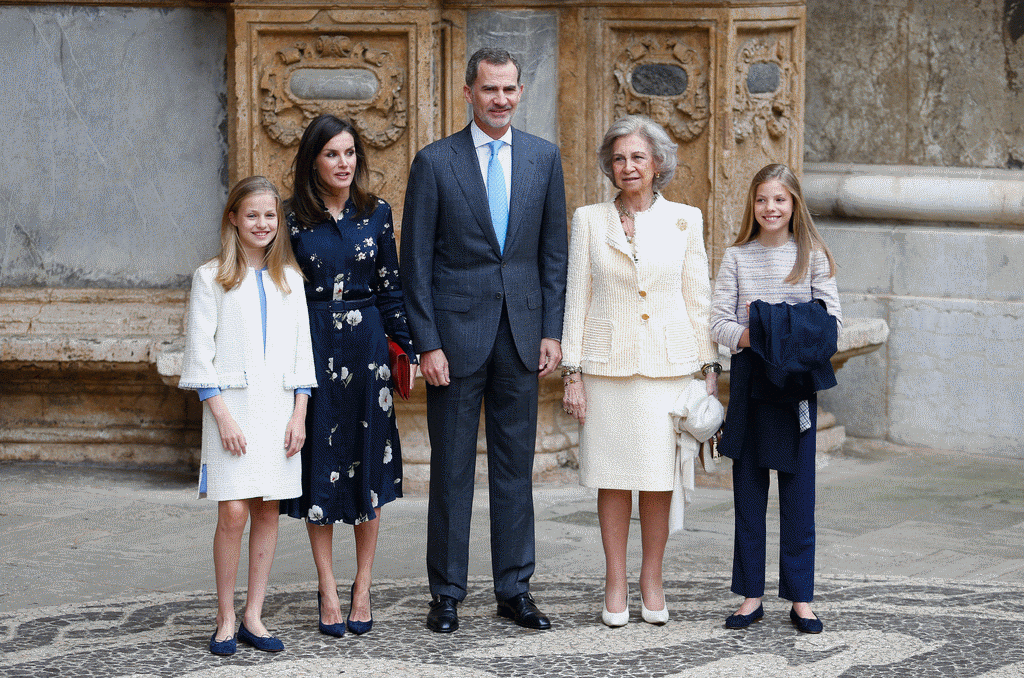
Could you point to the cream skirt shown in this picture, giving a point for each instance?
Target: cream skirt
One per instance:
(628, 441)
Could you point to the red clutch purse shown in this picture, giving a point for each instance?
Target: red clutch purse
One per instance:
(399, 369)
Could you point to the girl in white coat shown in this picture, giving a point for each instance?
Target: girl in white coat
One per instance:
(248, 353)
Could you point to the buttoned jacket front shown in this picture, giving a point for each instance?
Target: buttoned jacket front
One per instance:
(647, 316)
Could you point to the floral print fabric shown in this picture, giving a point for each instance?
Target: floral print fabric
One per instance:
(351, 462)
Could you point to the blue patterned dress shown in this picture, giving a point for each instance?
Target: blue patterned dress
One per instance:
(352, 460)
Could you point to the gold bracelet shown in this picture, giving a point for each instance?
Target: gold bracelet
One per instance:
(572, 381)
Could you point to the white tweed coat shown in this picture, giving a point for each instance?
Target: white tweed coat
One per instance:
(224, 347)
(647, 317)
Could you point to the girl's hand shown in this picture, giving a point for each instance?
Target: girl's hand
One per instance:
(744, 341)
(231, 436)
(574, 401)
(295, 431)
(294, 435)
(711, 381)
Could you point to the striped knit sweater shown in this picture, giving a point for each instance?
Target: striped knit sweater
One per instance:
(753, 271)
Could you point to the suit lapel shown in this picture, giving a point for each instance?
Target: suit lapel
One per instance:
(523, 175)
(466, 169)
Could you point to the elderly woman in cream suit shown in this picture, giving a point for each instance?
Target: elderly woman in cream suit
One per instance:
(635, 334)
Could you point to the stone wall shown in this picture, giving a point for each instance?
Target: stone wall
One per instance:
(902, 82)
(114, 145)
(935, 252)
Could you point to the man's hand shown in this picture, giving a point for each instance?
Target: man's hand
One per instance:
(550, 356)
(434, 367)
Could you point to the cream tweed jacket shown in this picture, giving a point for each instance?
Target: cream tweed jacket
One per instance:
(648, 316)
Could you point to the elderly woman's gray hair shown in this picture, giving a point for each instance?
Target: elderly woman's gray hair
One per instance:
(663, 149)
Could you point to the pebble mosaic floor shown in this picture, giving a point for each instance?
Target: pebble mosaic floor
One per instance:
(882, 627)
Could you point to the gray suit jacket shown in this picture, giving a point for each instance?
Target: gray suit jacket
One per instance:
(454, 276)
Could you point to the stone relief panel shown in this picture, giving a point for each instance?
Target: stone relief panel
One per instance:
(664, 74)
(766, 114)
(329, 64)
(336, 75)
(763, 102)
(668, 83)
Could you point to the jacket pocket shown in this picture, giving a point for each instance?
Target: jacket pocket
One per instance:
(597, 340)
(534, 300)
(452, 302)
(680, 346)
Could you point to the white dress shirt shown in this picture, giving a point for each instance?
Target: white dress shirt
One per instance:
(483, 155)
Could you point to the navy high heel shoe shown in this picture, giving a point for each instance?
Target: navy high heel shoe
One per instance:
(357, 627)
(336, 630)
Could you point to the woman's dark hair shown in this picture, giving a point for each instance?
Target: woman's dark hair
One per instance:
(306, 200)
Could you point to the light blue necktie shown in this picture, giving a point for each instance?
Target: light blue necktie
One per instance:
(496, 195)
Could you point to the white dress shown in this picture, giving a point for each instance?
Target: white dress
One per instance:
(224, 348)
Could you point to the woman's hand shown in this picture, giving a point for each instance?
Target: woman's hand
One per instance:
(711, 381)
(412, 375)
(574, 401)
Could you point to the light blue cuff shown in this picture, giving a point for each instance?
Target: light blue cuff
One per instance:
(205, 393)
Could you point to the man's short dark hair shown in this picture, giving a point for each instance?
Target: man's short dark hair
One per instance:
(494, 56)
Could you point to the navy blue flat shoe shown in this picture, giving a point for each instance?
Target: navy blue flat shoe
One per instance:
(357, 627)
(742, 621)
(336, 630)
(222, 647)
(805, 625)
(267, 644)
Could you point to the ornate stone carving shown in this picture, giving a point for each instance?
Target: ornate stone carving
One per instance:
(672, 81)
(764, 90)
(381, 119)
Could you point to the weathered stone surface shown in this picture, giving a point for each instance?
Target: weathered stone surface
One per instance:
(952, 300)
(532, 36)
(114, 149)
(915, 83)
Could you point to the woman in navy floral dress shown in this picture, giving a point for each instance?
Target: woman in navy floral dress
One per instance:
(344, 241)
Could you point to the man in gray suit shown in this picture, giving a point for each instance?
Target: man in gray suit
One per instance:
(484, 250)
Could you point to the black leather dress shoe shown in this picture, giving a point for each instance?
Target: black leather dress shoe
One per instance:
(444, 615)
(523, 611)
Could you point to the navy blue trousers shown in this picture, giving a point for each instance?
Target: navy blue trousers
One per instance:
(796, 515)
(508, 390)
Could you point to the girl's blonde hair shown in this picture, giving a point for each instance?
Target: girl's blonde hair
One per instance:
(800, 224)
(231, 262)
